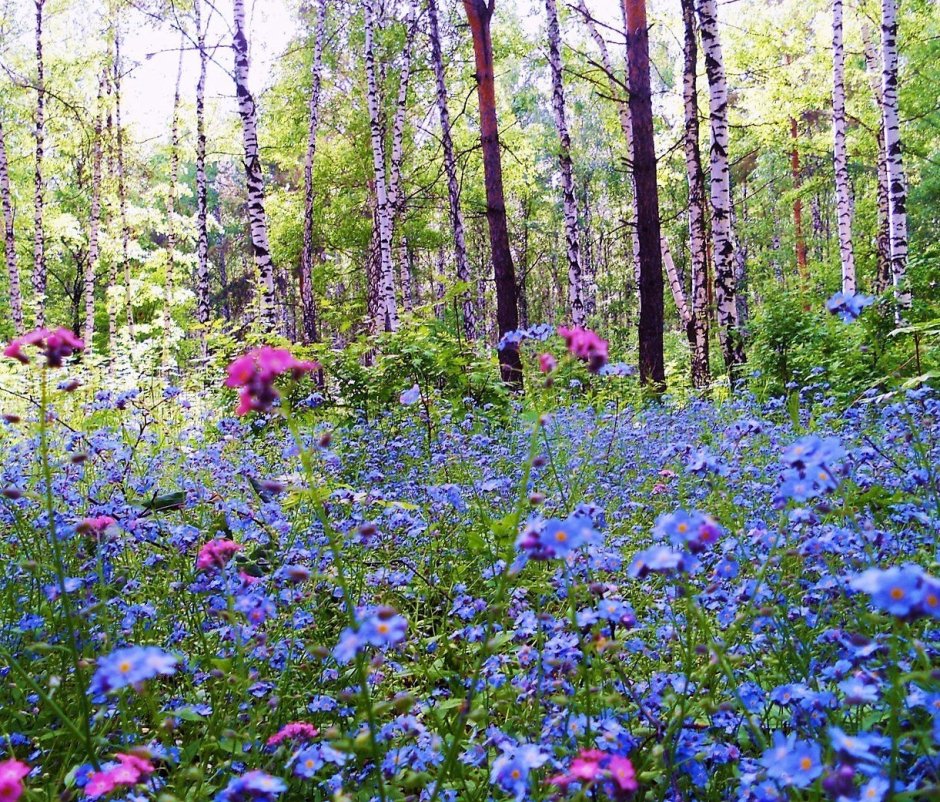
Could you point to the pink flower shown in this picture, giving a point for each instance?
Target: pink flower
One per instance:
(295, 731)
(12, 773)
(130, 770)
(55, 345)
(547, 363)
(592, 767)
(586, 346)
(255, 373)
(95, 526)
(215, 554)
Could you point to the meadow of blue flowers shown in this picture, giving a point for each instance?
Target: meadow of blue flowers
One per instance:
(705, 601)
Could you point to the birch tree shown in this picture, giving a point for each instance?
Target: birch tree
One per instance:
(883, 238)
(840, 156)
(570, 204)
(91, 265)
(169, 285)
(308, 328)
(202, 186)
(697, 326)
(39, 245)
(257, 219)
(450, 171)
(732, 344)
(122, 187)
(897, 185)
(386, 313)
(9, 239)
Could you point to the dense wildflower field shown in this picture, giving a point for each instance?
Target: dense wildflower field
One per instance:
(707, 601)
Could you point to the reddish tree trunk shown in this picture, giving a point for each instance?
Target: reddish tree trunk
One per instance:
(479, 14)
(652, 368)
(801, 263)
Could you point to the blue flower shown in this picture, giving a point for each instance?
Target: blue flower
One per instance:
(792, 762)
(510, 770)
(254, 786)
(848, 306)
(412, 396)
(898, 591)
(130, 666)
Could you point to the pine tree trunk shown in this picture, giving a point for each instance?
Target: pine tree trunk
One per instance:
(697, 327)
(883, 240)
(479, 14)
(169, 288)
(202, 187)
(122, 188)
(386, 313)
(840, 155)
(13, 271)
(450, 170)
(732, 344)
(652, 367)
(572, 239)
(309, 333)
(897, 184)
(91, 267)
(39, 245)
(254, 176)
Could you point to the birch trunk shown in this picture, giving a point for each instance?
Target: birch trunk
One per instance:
(13, 271)
(732, 344)
(697, 327)
(897, 185)
(450, 170)
(39, 245)
(396, 190)
(122, 188)
(169, 283)
(308, 307)
(675, 285)
(386, 317)
(652, 366)
(479, 15)
(202, 187)
(91, 267)
(883, 240)
(254, 177)
(589, 276)
(570, 204)
(840, 155)
(111, 289)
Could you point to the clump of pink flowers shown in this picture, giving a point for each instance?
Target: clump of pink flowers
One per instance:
(215, 554)
(592, 768)
(129, 770)
(255, 373)
(586, 346)
(95, 526)
(12, 773)
(295, 731)
(56, 345)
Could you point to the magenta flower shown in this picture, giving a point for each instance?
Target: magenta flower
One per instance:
(586, 346)
(295, 731)
(215, 554)
(95, 526)
(12, 773)
(129, 770)
(255, 373)
(56, 346)
(547, 363)
(593, 768)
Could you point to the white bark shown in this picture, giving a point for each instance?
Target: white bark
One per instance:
(897, 185)
(386, 312)
(13, 271)
(39, 247)
(675, 284)
(169, 285)
(308, 307)
(202, 187)
(720, 191)
(91, 266)
(122, 189)
(450, 169)
(254, 177)
(883, 240)
(570, 204)
(840, 156)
